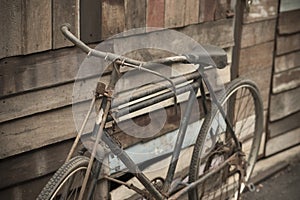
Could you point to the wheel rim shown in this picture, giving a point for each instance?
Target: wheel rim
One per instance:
(247, 124)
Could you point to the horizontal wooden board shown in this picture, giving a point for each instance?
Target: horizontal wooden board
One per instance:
(284, 125)
(284, 104)
(288, 43)
(64, 12)
(256, 58)
(208, 33)
(258, 32)
(33, 164)
(25, 191)
(289, 22)
(174, 13)
(286, 80)
(19, 74)
(155, 13)
(36, 131)
(287, 61)
(261, 10)
(11, 33)
(283, 142)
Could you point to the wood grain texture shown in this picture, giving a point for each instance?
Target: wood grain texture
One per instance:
(36, 131)
(289, 22)
(222, 9)
(208, 33)
(135, 14)
(256, 57)
(286, 80)
(174, 13)
(258, 32)
(262, 77)
(207, 10)
(261, 10)
(90, 21)
(191, 12)
(284, 104)
(63, 12)
(19, 74)
(33, 164)
(283, 142)
(11, 35)
(155, 13)
(113, 17)
(288, 43)
(287, 61)
(25, 191)
(37, 23)
(284, 125)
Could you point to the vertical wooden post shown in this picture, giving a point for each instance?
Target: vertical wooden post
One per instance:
(238, 25)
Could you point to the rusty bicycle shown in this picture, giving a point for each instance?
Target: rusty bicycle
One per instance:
(223, 153)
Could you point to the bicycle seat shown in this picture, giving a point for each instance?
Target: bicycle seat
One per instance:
(218, 55)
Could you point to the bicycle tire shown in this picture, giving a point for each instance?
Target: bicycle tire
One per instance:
(66, 171)
(215, 186)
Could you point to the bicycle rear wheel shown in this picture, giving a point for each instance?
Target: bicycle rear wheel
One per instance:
(244, 108)
(66, 182)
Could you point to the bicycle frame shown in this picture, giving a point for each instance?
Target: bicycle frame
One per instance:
(103, 116)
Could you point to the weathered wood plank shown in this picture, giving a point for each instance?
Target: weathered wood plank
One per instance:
(11, 31)
(33, 164)
(155, 13)
(63, 12)
(261, 10)
(113, 18)
(174, 13)
(208, 33)
(283, 142)
(284, 125)
(191, 12)
(256, 58)
(286, 80)
(258, 32)
(287, 61)
(25, 191)
(262, 77)
(36, 131)
(289, 22)
(289, 5)
(222, 9)
(19, 74)
(284, 104)
(90, 21)
(37, 23)
(135, 14)
(207, 10)
(289, 43)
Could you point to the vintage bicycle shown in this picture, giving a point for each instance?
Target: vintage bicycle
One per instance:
(224, 152)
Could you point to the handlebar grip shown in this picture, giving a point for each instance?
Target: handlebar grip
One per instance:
(65, 29)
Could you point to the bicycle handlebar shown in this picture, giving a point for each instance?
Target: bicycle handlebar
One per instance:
(65, 29)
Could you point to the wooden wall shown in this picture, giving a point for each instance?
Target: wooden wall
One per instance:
(284, 113)
(38, 67)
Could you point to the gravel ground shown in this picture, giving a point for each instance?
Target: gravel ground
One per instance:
(285, 185)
